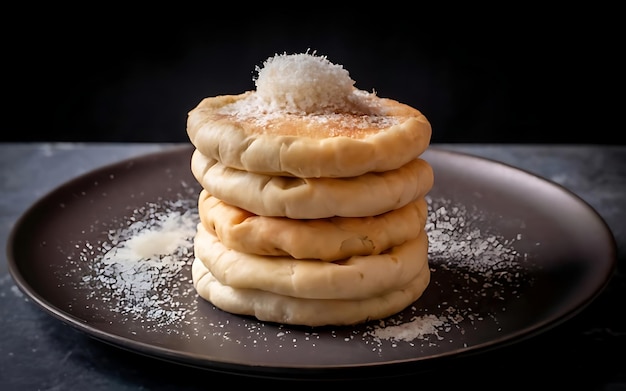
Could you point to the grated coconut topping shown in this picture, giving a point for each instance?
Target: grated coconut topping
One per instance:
(303, 83)
(306, 86)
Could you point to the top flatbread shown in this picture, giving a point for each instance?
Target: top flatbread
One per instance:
(377, 135)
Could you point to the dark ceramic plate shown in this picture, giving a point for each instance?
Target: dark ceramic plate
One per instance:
(511, 256)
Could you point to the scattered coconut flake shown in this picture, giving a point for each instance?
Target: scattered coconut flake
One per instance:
(484, 269)
(142, 267)
(418, 327)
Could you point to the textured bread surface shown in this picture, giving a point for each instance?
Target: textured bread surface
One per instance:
(272, 307)
(368, 194)
(236, 132)
(327, 239)
(356, 277)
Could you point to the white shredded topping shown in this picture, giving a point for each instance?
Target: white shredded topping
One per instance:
(303, 83)
(304, 86)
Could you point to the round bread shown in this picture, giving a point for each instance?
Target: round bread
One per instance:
(370, 134)
(357, 277)
(325, 239)
(312, 209)
(368, 194)
(272, 307)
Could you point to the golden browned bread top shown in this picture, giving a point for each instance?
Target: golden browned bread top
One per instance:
(366, 114)
(307, 119)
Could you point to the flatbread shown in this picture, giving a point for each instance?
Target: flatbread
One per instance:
(328, 239)
(369, 194)
(376, 135)
(272, 307)
(357, 277)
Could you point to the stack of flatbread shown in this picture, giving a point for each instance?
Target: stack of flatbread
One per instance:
(312, 208)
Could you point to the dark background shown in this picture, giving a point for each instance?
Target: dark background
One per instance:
(528, 75)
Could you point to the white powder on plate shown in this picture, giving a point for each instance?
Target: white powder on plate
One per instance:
(141, 270)
(481, 270)
(418, 327)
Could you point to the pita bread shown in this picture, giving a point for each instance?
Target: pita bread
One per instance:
(243, 132)
(369, 194)
(357, 277)
(312, 209)
(272, 307)
(325, 239)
